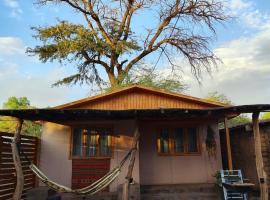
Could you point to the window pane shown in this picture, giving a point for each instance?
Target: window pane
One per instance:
(192, 140)
(164, 141)
(105, 143)
(178, 137)
(92, 143)
(77, 142)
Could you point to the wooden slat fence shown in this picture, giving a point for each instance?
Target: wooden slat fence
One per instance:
(7, 171)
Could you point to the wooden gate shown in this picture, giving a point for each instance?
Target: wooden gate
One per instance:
(7, 171)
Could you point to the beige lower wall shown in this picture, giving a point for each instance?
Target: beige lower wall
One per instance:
(54, 153)
(156, 169)
(149, 168)
(124, 128)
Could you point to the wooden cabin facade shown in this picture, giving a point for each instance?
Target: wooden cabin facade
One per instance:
(171, 151)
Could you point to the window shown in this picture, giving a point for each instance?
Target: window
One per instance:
(178, 141)
(91, 142)
(164, 141)
(192, 140)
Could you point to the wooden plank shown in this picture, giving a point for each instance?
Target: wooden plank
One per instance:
(28, 150)
(12, 179)
(11, 165)
(22, 136)
(12, 176)
(262, 177)
(24, 140)
(13, 170)
(9, 159)
(9, 154)
(228, 144)
(8, 146)
(125, 193)
(7, 186)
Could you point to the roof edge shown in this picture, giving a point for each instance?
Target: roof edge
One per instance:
(154, 90)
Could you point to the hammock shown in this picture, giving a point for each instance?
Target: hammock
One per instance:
(89, 190)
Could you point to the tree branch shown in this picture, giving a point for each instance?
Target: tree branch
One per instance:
(91, 60)
(95, 17)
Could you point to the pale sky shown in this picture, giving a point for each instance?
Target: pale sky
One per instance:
(243, 44)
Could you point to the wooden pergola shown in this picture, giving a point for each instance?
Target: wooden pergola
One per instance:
(64, 116)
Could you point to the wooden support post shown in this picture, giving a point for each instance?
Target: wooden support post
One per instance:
(228, 144)
(259, 158)
(125, 193)
(17, 162)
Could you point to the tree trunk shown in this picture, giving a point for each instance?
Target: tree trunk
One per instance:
(112, 78)
(125, 194)
(17, 162)
(259, 158)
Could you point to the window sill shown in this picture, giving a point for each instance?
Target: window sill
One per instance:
(180, 154)
(95, 157)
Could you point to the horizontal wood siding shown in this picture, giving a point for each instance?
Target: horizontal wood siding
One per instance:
(140, 100)
(87, 171)
(7, 171)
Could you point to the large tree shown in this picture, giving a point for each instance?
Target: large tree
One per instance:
(108, 38)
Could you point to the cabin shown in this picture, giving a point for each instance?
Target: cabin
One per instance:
(171, 142)
(171, 150)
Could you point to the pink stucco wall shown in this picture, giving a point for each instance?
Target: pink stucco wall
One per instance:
(156, 169)
(149, 167)
(54, 153)
(55, 145)
(124, 128)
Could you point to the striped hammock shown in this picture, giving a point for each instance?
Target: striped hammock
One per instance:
(89, 190)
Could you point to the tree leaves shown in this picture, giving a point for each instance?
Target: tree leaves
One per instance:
(8, 124)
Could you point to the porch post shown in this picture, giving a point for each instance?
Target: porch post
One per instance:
(228, 144)
(259, 158)
(125, 193)
(17, 162)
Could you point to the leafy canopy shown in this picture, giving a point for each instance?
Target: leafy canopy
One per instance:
(108, 40)
(151, 79)
(265, 115)
(218, 97)
(8, 124)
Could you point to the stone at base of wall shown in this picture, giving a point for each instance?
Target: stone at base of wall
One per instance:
(42, 193)
(145, 192)
(181, 192)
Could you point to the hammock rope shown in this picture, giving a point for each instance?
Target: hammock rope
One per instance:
(92, 189)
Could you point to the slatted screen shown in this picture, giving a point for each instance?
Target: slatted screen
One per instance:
(86, 171)
(7, 171)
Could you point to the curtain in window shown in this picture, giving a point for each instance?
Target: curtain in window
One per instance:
(105, 143)
(92, 143)
(164, 141)
(77, 142)
(192, 140)
(178, 138)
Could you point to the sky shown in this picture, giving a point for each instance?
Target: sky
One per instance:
(243, 45)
